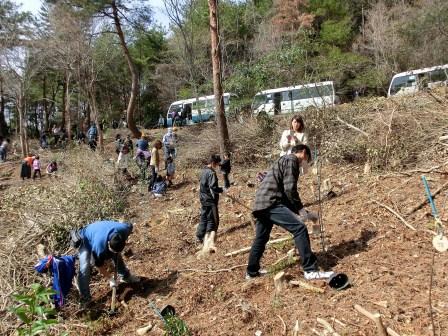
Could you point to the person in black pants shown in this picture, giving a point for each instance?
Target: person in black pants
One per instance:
(225, 169)
(209, 196)
(277, 202)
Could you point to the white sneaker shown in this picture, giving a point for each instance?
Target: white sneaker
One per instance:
(260, 273)
(318, 275)
(131, 278)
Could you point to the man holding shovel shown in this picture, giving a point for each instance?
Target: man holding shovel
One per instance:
(102, 240)
(277, 202)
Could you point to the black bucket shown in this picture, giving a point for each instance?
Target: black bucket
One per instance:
(168, 310)
(339, 281)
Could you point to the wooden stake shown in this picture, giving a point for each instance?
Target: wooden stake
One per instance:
(306, 285)
(279, 282)
(144, 330)
(296, 330)
(391, 332)
(327, 326)
(247, 249)
(396, 214)
(376, 318)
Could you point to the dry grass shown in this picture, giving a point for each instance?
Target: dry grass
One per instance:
(396, 133)
(44, 212)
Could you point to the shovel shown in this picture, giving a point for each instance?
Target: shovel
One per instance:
(440, 242)
(112, 310)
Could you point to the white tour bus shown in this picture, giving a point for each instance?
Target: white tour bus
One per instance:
(412, 81)
(294, 98)
(196, 109)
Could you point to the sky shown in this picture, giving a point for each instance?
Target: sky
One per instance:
(157, 5)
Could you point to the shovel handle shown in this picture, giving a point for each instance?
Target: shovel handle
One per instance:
(114, 295)
(431, 201)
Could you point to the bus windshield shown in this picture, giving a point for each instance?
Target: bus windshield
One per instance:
(174, 108)
(402, 82)
(259, 100)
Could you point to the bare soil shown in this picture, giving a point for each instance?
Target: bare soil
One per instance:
(389, 265)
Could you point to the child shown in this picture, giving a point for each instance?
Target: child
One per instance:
(154, 164)
(130, 144)
(118, 143)
(123, 157)
(170, 170)
(159, 187)
(36, 167)
(225, 169)
(52, 168)
(209, 196)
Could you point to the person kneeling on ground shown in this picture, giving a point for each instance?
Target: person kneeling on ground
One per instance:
(159, 187)
(277, 202)
(102, 240)
(209, 196)
(52, 168)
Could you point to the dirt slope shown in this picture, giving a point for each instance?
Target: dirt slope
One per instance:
(389, 264)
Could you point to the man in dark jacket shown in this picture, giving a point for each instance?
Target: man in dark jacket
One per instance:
(209, 196)
(102, 240)
(277, 202)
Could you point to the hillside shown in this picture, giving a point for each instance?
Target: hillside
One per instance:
(393, 269)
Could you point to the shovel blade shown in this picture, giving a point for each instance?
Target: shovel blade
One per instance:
(440, 243)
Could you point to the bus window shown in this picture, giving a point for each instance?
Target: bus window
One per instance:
(402, 82)
(286, 95)
(325, 90)
(438, 75)
(226, 100)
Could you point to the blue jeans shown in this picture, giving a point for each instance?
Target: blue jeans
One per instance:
(85, 258)
(281, 216)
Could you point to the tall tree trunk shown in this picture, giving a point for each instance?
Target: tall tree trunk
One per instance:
(224, 141)
(22, 126)
(68, 114)
(96, 117)
(3, 125)
(64, 98)
(45, 104)
(134, 76)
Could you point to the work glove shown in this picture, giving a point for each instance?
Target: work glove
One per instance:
(308, 215)
(113, 283)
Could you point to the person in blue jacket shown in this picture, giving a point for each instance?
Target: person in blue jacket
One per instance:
(102, 241)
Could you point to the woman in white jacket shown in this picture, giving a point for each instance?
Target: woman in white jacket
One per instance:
(294, 136)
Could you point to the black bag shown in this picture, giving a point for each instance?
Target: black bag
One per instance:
(75, 238)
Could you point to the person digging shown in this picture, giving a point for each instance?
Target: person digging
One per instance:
(104, 241)
(277, 202)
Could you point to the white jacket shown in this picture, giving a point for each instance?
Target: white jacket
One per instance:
(295, 138)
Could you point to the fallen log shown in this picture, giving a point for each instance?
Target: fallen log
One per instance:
(247, 249)
(396, 214)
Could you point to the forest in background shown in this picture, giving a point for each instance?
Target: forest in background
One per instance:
(71, 64)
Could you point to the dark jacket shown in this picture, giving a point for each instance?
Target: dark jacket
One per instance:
(280, 186)
(209, 190)
(225, 166)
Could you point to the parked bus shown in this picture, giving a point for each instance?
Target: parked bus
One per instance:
(294, 98)
(194, 110)
(412, 81)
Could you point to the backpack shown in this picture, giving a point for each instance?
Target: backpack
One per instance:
(63, 271)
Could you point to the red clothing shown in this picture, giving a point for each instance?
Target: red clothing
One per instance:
(29, 160)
